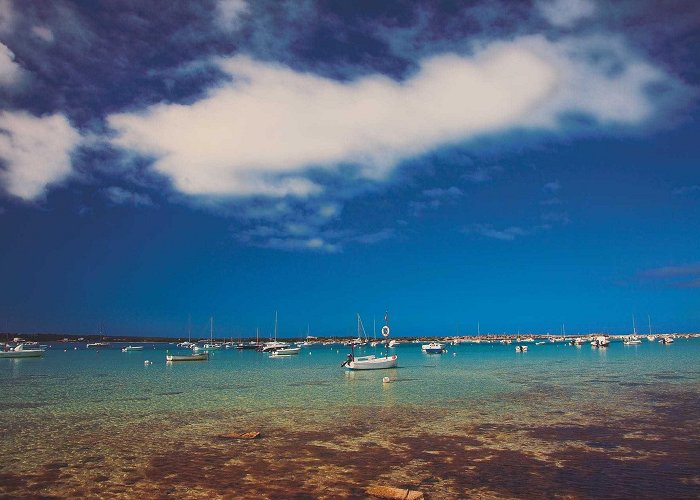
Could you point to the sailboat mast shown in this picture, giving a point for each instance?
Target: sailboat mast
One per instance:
(374, 326)
(634, 326)
(649, 318)
(275, 326)
(211, 329)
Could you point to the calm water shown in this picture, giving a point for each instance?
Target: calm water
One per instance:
(480, 419)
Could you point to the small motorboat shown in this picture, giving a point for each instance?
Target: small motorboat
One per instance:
(520, 348)
(285, 351)
(132, 348)
(631, 340)
(600, 341)
(433, 348)
(97, 345)
(666, 340)
(20, 352)
(187, 357)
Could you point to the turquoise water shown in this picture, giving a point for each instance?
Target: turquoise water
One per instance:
(547, 406)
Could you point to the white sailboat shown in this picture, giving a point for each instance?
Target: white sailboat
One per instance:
(372, 362)
(632, 339)
(210, 346)
(273, 346)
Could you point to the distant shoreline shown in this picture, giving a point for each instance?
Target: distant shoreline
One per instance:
(72, 338)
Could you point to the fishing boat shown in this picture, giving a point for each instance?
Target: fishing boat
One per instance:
(132, 348)
(20, 352)
(187, 357)
(433, 348)
(520, 348)
(372, 362)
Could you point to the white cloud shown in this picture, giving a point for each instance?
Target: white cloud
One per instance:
(43, 33)
(229, 13)
(11, 73)
(566, 13)
(35, 152)
(259, 133)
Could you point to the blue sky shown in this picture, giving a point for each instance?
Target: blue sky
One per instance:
(519, 164)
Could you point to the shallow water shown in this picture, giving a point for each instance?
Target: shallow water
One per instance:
(480, 419)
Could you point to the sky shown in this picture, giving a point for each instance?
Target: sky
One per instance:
(525, 166)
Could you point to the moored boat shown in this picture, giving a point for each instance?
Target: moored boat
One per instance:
(20, 352)
(372, 362)
(187, 357)
(132, 348)
(433, 348)
(520, 348)
(285, 351)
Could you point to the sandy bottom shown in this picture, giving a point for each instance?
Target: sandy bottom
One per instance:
(533, 444)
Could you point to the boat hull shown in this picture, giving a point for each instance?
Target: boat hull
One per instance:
(373, 363)
(33, 353)
(192, 357)
(286, 352)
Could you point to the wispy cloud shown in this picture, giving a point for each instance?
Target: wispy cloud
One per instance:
(677, 276)
(483, 174)
(556, 217)
(121, 196)
(684, 190)
(566, 13)
(435, 198)
(506, 234)
(552, 186)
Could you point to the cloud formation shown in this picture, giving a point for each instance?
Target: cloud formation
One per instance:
(261, 132)
(676, 276)
(35, 152)
(11, 73)
(566, 13)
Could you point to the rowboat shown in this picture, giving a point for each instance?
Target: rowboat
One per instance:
(187, 357)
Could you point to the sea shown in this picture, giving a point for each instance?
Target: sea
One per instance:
(480, 420)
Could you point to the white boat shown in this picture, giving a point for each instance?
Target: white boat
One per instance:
(520, 348)
(274, 345)
(20, 352)
(97, 345)
(600, 341)
(433, 348)
(187, 357)
(394, 343)
(132, 348)
(666, 340)
(286, 351)
(372, 362)
(631, 340)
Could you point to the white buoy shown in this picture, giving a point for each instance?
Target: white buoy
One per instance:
(386, 380)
